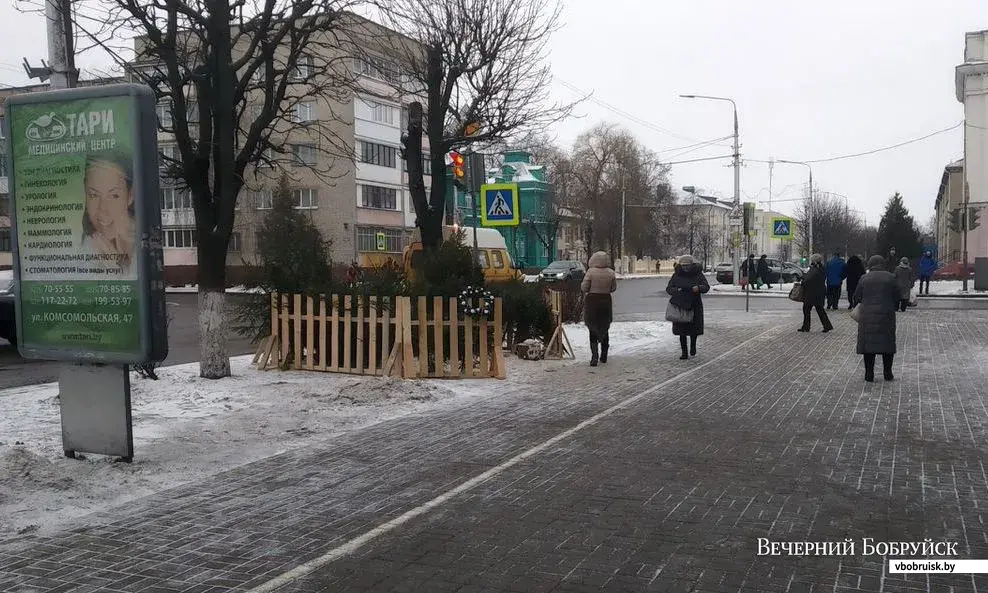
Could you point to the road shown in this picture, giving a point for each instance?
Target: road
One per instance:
(183, 347)
(636, 299)
(647, 474)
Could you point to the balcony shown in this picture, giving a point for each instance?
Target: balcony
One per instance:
(178, 218)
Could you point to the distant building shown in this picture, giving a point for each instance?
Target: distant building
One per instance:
(533, 243)
(950, 196)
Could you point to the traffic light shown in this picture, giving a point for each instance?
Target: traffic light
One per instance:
(973, 216)
(459, 171)
(954, 222)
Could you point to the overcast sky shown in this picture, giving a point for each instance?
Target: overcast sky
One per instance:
(812, 80)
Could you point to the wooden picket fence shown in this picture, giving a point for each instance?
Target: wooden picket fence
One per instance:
(383, 336)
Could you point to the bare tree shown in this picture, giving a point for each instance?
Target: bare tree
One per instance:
(481, 67)
(238, 81)
(835, 226)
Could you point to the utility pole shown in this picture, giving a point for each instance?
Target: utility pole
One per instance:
(967, 199)
(737, 186)
(771, 165)
(623, 208)
(810, 254)
(61, 54)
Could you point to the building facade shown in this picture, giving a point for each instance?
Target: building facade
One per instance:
(971, 86)
(950, 196)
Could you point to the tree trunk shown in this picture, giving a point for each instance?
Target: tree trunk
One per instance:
(214, 361)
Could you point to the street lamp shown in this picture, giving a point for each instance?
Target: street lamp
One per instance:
(737, 169)
(810, 202)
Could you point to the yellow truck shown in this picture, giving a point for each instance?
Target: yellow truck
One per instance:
(492, 253)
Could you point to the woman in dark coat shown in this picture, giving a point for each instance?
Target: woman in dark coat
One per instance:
(685, 289)
(904, 276)
(815, 294)
(878, 296)
(855, 270)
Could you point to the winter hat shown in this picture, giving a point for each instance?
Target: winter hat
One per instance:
(876, 262)
(685, 260)
(816, 258)
(904, 261)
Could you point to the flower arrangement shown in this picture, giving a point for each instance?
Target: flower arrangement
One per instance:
(476, 302)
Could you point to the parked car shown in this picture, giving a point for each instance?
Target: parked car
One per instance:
(563, 270)
(954, 271)
(8, 325)
(786, 271)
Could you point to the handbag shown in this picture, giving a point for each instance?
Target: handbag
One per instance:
(796, 294)
(676, 314)
(856, 314)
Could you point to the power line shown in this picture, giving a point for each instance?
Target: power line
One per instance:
(709, 158)
(873, 151)
(629, 116)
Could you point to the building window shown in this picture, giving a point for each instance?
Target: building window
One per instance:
(5, 242)
(168, 154)
(367, 239)
(305, 199)
(3, 164)
(180, 238)
(2, 132)
(377, 154)
(304, 112)
(378, 112)
(375, 196)
(264, 199)
(164, 111)
(498, 260)
(236, 243)
(305, 67)
(377, 68)
(304, 154)
(426, 165)
(175, 199)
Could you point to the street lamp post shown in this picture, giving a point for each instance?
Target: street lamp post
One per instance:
(809, 202)
(737, 167)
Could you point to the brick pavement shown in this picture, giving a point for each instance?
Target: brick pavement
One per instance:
(779, 439)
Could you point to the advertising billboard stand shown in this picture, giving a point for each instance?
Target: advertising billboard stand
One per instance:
(88, 263)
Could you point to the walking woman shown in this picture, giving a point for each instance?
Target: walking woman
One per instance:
(855, 270)
(598, 284)
(685, 289)
(904, 275)
(815, 294)
(878, 294)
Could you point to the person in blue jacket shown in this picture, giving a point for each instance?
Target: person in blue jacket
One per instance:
(927, 266)
(836, 271)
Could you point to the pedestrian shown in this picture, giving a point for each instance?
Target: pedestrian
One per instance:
(927, 267)
(598, 284)
(763, 272)
(879, 295)
(904, 276)
(814, 293)
(836, 269)
(855, 270)
(685, 289)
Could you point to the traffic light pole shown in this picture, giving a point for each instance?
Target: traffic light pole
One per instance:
(967, 199)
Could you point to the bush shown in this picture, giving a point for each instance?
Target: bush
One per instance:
(526, 312)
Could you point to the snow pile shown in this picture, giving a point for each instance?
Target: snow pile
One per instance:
(187, 428)
(953, 288)
(194, 289)
(666, 274)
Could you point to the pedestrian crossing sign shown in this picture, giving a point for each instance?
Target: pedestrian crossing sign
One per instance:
(499, 204)
(782, 228)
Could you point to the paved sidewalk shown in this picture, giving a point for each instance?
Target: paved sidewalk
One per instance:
(778, 438)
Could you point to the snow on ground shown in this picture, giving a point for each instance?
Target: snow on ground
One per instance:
(187, 428)
(777, 290)
(953, 288)
(194, 288)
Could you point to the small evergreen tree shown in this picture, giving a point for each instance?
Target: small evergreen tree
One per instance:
(898, 231)
(293, 258)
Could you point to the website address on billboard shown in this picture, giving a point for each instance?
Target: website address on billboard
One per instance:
(912, 566)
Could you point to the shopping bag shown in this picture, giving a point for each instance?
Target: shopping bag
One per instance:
(856, 314)
(676, 314)
(796, 294)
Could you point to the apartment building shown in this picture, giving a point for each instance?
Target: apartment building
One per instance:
(950, 196)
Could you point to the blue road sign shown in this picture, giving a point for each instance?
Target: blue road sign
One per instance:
(499, 204)
(782, 228)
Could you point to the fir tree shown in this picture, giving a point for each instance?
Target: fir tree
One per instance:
(898, 231)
